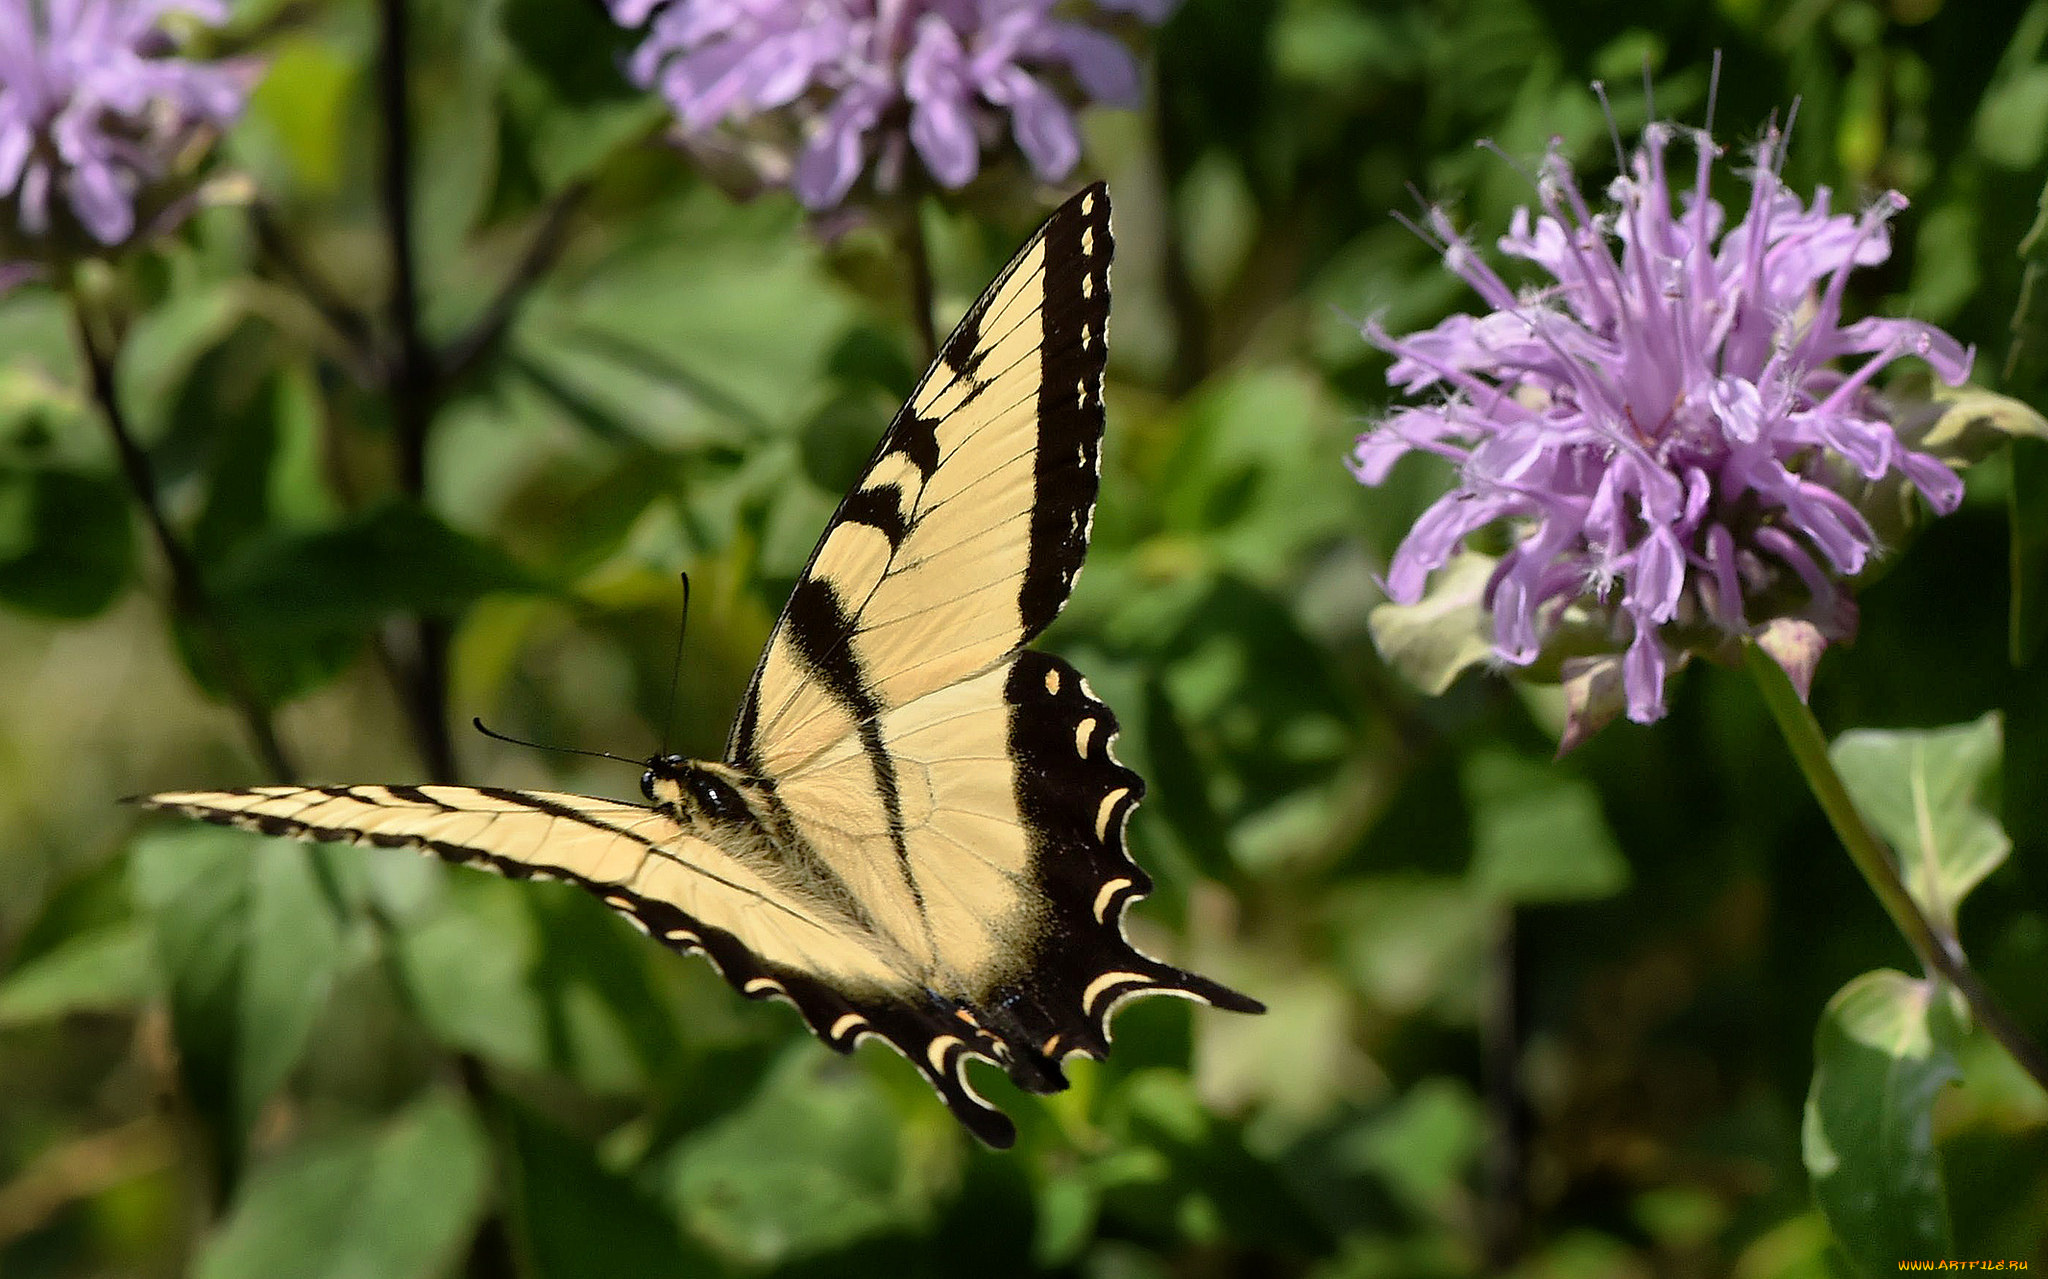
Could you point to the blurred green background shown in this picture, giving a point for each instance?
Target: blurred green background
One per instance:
(230, 1058)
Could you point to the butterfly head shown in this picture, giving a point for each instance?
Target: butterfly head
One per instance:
(712, 794)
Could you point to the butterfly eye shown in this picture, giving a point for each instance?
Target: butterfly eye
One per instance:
(647, 785)
(718, 799)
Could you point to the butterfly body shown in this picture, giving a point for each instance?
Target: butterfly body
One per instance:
(917, 832)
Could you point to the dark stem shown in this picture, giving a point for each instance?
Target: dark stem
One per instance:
(412, 368)
(188, 593)
(413, 381)
(541, 252)
(1939, 950)
(1503, 1223)
(922, 296)
(415, 387)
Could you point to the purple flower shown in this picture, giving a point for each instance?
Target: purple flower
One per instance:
(1674, 428)
(95, 113)
(860, 77)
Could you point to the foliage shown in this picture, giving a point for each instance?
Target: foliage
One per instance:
(224, 1056)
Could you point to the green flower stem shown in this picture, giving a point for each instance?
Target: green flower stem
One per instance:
(1939, 951)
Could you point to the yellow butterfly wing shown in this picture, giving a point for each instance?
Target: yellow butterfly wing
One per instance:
(962, 786)
(937, 857)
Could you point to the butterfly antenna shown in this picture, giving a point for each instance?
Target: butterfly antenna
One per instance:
(675, 672)
(543, 746)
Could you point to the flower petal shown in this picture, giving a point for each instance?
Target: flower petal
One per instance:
(1643, 673)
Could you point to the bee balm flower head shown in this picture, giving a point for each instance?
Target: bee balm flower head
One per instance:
(1673, 427)
(97, 118)
(857, 80)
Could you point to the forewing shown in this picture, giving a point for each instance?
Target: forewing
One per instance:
(1023, 864)
(962, 538)
(767, 933)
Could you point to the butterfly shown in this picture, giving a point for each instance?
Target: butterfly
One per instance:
(917, 831)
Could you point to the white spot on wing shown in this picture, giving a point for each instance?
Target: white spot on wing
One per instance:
(767, 984)
(1106, 895)
(850, 1022)
(935, 1051)
(1108, 810)
(1083, 733)
(1052, 681)
(1105, 982)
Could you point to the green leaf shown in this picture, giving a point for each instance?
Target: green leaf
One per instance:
(1963, 425)
(280, 665)
(2028, 498)
(1922, 790)
(391, 1204)
(1423, 1146)
(1538, 833)
(457, 158)
(1067, 1210)
(66, 545)
(298, 604)
(254, 428)
(1412, 943)
(2012, 120)
(249, 946)
(1437, 638)
(840, 437)
(303, 101)
(1248, 478)
(396, 558)
(293, 953)
(99, 971)
(577, 50)
(612, 1029)
(470, 967)
(576, 1219)
(1880, 1056)
(812, 1163)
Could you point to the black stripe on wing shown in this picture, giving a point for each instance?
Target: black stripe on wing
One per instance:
(1068, 465)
